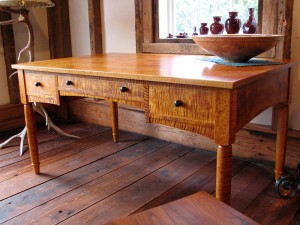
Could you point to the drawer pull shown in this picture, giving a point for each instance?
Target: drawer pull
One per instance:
(123, 89)
(38, 84)
(178, 103)
(69, 83)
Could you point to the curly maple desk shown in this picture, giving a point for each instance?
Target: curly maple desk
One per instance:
(176, 90)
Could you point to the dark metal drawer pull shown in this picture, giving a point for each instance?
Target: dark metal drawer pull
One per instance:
(69, 83)
(178, 103)
(123, 89)
(38, 84)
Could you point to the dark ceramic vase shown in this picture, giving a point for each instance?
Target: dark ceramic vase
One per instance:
(233, 24)
(217, 27)
(203, 29)
(250, 27)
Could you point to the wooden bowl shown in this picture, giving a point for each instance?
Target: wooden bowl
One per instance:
(237, 47)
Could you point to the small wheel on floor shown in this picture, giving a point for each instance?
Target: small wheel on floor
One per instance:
(287, 187)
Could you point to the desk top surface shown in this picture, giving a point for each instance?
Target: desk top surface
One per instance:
(182, 69)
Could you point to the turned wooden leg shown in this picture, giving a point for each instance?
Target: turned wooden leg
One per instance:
(32, 138)
(282, 128)
(115, 123)
(223, 179)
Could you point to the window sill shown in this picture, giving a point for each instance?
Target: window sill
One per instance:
(186, 48)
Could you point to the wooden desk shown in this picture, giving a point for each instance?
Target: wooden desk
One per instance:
(176, 90)
(199, 208)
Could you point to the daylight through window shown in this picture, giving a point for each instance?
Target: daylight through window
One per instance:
(179, 16)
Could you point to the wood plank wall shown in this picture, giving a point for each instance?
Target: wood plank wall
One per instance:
(10, 57)
(59, 30)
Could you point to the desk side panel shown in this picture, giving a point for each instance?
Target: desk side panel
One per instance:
(258, 96)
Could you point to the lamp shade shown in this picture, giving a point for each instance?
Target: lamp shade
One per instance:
(26, 3)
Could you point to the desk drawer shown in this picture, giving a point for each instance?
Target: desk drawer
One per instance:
(41, 88)
(101, 87)
(182, 103)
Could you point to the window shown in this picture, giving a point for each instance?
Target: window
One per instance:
(182, 16)
(274, 17)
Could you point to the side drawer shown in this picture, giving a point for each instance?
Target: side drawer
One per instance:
(182, 103)
(41, 88)
(101, 87)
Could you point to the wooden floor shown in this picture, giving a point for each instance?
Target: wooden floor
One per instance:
(93, 180)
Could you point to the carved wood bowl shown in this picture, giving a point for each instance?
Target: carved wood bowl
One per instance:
(237, 47)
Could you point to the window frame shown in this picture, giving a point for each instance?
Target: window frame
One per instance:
(157, 39)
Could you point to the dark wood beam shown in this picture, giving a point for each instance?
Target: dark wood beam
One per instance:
(10, 57)
(139, 30)
(59, 29)
(95, 26)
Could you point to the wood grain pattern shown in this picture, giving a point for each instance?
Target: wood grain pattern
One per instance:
(9, 57)
(96, 159)
(276, 93)
(224, 170)
(59, 30)
(200, 208)
(206, 104)
(46, 91)
(32, 139)
(180, 69)
(258, 146)
(95, 27)
(11, 117)
(283, 111)
(99, 87)
(115, 120)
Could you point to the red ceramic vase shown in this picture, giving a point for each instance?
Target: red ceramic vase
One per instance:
(217, 27)
(250, 27)
(233, 24)
(203, 29)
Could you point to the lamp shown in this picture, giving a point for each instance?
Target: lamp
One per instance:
(20, 7)
(26, 3)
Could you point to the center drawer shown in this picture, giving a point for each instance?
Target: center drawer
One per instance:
(101, 87)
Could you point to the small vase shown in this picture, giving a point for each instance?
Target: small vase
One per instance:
(217, 27)
(203, 29)
(250, 27)
(195, 32)
(233, 24)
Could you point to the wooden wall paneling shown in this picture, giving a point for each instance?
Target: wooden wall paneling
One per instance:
(260, 16)
(95, 26)
(139, 31)
(10, 57)
(285, 19)
(283, 50)
(59, 29)
(148, 21)
(11, 117)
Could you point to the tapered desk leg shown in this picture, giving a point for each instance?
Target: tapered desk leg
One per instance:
(282, 128)
(115, 122)
(223, 179)
(32, 138)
